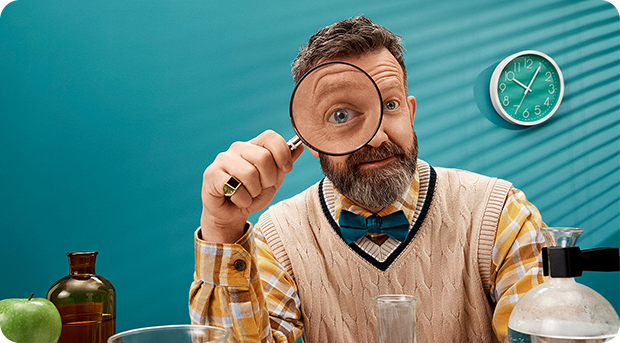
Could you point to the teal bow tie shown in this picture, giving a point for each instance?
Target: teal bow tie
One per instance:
(354, 227)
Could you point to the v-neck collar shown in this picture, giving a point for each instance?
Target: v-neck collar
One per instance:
(427, 180)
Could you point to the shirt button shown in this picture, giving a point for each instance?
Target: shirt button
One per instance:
(239, 265)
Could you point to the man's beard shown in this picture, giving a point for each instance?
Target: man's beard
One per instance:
(379, 187)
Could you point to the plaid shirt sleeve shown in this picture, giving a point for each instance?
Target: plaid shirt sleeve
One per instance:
(242, 288)
(516, 265)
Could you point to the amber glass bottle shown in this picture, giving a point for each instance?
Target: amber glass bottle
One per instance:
(86, 301)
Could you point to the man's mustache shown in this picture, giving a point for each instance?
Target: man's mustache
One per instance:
(370, 154)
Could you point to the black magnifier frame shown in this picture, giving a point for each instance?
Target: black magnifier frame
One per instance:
(309, 145)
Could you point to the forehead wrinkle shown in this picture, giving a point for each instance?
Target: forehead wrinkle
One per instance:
(319, 90)
(388, 77)
(319, 77)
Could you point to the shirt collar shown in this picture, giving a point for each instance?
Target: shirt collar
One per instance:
(406, 202)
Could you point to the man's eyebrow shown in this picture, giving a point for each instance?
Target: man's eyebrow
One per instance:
(321, 91)
(392, 85)
(336, 85)
(322, 86)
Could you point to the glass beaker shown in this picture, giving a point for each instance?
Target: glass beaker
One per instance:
(561, 309)
(396, 318)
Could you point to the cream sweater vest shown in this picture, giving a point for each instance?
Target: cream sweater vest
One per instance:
(446, 264)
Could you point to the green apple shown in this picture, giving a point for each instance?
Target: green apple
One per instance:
(30, 320)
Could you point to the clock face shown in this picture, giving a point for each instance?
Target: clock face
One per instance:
(527, 88)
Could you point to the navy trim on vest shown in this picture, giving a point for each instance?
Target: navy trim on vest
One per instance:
(383, 266)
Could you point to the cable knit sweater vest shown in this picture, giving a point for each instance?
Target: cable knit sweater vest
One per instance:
(446, 264)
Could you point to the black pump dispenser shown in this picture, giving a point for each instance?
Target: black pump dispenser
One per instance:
(568, 262)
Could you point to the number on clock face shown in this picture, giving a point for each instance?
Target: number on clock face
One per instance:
(528, 89)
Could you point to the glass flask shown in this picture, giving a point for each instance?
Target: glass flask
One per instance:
(562, 310)
(396, 318)
(86, 301)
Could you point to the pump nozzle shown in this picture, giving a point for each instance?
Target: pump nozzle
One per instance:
(572, 262)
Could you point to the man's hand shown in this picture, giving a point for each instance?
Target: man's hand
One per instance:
(260, 165)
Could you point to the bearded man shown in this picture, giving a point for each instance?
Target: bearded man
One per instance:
(468, 245)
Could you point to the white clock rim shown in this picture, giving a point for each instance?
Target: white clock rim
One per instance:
(495, 81)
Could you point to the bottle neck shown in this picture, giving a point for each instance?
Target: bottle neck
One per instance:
(75, 270)
(561, 280)
(82, 262)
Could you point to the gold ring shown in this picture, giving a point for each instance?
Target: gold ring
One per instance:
(230, 186)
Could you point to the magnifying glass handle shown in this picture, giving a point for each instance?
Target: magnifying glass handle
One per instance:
(293, 143)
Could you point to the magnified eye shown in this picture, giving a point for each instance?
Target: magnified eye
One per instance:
(391, 105)
(340, 116)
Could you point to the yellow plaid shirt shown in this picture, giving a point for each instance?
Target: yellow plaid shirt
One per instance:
(242, 287)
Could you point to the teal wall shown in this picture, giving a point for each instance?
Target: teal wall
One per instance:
(110, 111)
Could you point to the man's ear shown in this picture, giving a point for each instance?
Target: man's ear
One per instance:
(412, 106)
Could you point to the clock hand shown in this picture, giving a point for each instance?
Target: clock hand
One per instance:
(522, 85)
(533, 77)
(528, 87)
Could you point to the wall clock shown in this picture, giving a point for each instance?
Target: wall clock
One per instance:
(526, 88)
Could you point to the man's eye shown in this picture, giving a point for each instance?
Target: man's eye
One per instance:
(340, 116)
(391, 105)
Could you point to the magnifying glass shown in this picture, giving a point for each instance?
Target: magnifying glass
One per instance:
(336, 109)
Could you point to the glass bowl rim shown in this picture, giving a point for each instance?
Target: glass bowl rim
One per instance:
(164, 327)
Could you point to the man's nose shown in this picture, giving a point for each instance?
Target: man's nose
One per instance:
(380, 137)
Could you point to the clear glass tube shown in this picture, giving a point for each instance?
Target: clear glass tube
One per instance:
(396, 318)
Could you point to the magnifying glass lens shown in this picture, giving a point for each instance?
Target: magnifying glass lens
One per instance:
(336, 108)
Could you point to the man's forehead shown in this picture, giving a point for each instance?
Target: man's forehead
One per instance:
(387, 75)
(381, 65)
